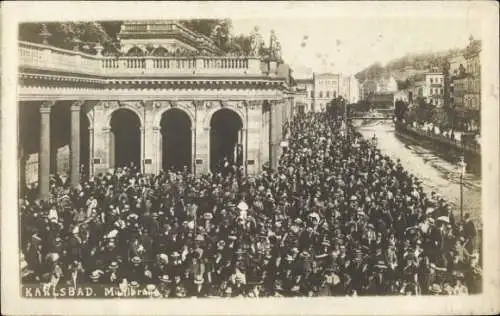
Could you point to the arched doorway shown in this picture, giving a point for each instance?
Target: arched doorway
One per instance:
(176, 140)
(60, 138)
(125, 139)
(225, 138)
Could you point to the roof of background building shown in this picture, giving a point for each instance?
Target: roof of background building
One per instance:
(161, 29)
(326, 75)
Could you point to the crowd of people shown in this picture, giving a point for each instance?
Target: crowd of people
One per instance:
(336, 217)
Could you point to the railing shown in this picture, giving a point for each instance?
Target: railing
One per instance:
(459, 144)
(50, 58)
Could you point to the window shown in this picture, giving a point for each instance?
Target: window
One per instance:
(312, 94)
(327, 94)
(321, 94)
(432, 80)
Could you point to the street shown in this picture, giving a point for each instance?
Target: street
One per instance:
(436, 173)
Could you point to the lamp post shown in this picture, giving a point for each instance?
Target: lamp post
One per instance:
(462, 165)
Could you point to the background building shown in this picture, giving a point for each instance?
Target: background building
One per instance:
(349, 89)
(326, 88)
(472, 96)
(434, 88)
(306, 87)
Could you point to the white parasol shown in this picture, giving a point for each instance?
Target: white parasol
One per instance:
(445, 219)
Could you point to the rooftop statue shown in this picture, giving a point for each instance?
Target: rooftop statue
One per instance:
(277, 51)
(273, 43)
(256, 42)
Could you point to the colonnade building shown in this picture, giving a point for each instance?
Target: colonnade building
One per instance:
(171, 100)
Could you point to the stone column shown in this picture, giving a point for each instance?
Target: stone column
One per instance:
(142, 162)
(149, 147)
(75, 143)
(158, 146)
(192, 165)
(102, 152)
(255, 137)
(202, 156)
(264, 134)
(44, 158)
(91, 151)
(111, 144)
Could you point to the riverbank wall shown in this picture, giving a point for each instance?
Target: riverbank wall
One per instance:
(453, 149)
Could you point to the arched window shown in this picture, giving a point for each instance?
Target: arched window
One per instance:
(160, 52)
(135, 51)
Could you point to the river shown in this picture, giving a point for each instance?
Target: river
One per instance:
(438, 173)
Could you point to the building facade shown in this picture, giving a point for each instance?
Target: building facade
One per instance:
(349, 89)
(326, 87)
(472, 97)
(434, 88)
(170, 101)
(306, 87)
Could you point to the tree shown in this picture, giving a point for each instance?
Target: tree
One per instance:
(240, 44)
(65, 34)
(404, 84)
(219, 30)
(400, 109)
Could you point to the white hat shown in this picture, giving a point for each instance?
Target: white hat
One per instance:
(242, 206)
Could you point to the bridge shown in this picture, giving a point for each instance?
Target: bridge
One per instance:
(370, 118)
(376, 115)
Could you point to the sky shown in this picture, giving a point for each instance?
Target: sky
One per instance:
(348, 45)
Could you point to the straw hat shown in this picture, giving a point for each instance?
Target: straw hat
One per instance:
(165, 278)
(381, 265)
(198, 279)
(113, 265)
(435, 288)
(305, 255)
(221, 244)
(52, 257)
(136, 260)
(96, 274)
